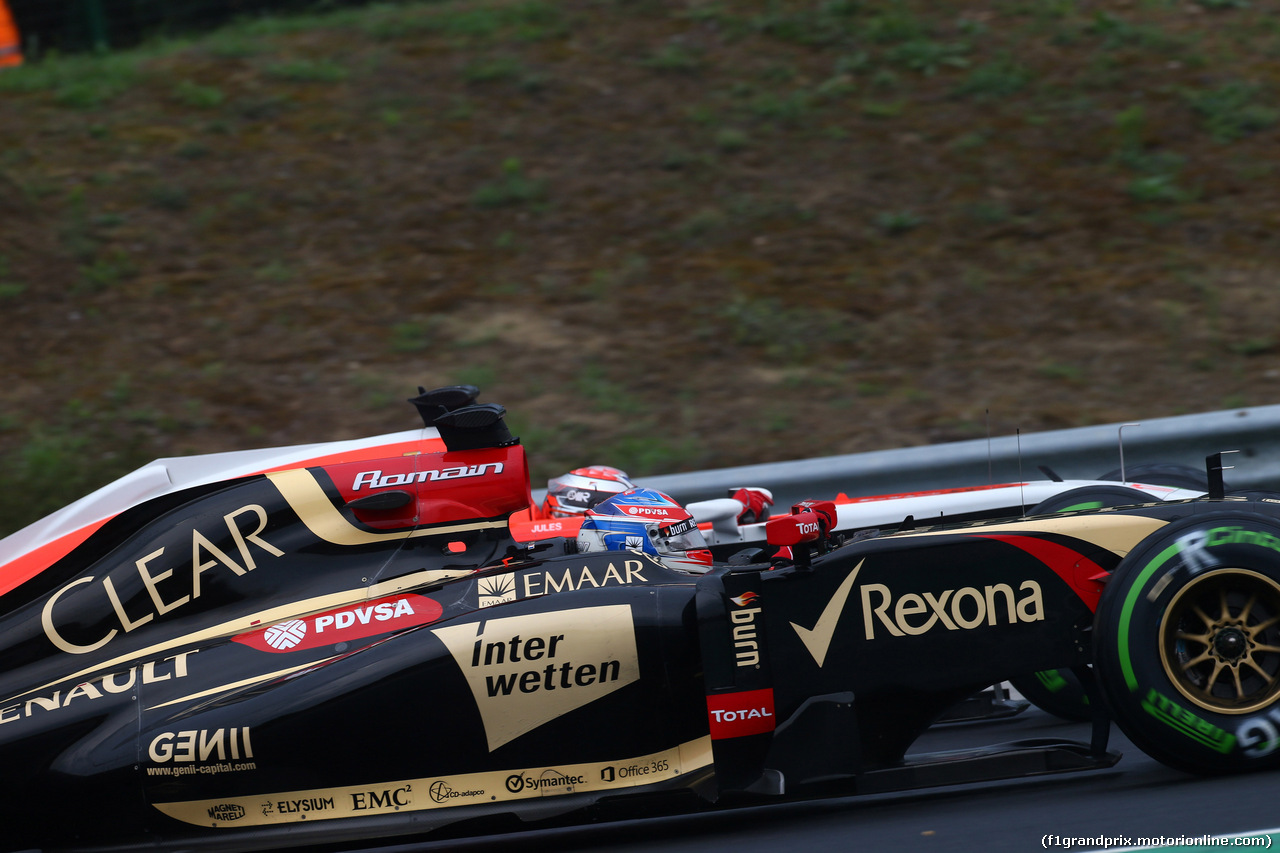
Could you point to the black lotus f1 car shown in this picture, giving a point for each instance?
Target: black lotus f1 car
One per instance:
(345, 642)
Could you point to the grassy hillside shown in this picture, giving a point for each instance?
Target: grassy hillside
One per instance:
(667, 235)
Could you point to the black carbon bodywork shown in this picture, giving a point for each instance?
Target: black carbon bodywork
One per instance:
(278, 660)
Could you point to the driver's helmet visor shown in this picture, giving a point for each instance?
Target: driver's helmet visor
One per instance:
(577, 499)
(574, 493)
(678, 536)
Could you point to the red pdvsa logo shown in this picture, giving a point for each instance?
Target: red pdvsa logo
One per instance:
(345, 624)
(740, 714)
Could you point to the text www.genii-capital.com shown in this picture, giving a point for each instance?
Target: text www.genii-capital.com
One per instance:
(200, 769)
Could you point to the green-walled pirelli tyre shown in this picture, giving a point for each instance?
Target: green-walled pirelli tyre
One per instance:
(1187, 643)
(1055, 691)
(1091, 497)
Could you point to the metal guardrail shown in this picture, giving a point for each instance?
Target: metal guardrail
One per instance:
(1083, 453)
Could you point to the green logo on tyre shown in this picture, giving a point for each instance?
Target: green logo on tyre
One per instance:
(1080, 506)
(1184, 722)
(1230, 535)
(1052, 680)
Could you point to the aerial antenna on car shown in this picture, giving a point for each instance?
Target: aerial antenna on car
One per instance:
(1022, 487)
(1120, 440)
(990, 476)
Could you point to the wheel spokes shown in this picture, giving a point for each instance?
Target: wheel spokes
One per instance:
(1248, 606)
(1266, 676)
(1235, 675)
(1196, 661)
(1225, 621)
(1218, 666)
(1202, 616)
(1262, 626)
(1203, 639)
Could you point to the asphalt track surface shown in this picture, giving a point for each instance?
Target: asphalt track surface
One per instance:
(1136, 798)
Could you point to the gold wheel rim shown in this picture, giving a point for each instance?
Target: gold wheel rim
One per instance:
(1220, 641)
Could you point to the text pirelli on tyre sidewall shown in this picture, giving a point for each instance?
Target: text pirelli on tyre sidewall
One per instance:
(1188, 643)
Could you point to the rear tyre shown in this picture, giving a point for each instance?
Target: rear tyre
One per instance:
(1091, 497)
(1163, 474)
(1058, 691)
(1257, 494)
(1187, 644)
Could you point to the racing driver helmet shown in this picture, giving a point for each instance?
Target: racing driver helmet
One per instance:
(649, 521)
(574, 493)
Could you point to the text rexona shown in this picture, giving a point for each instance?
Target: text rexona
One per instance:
(377, 480)
(955, 609)
(205, 555)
